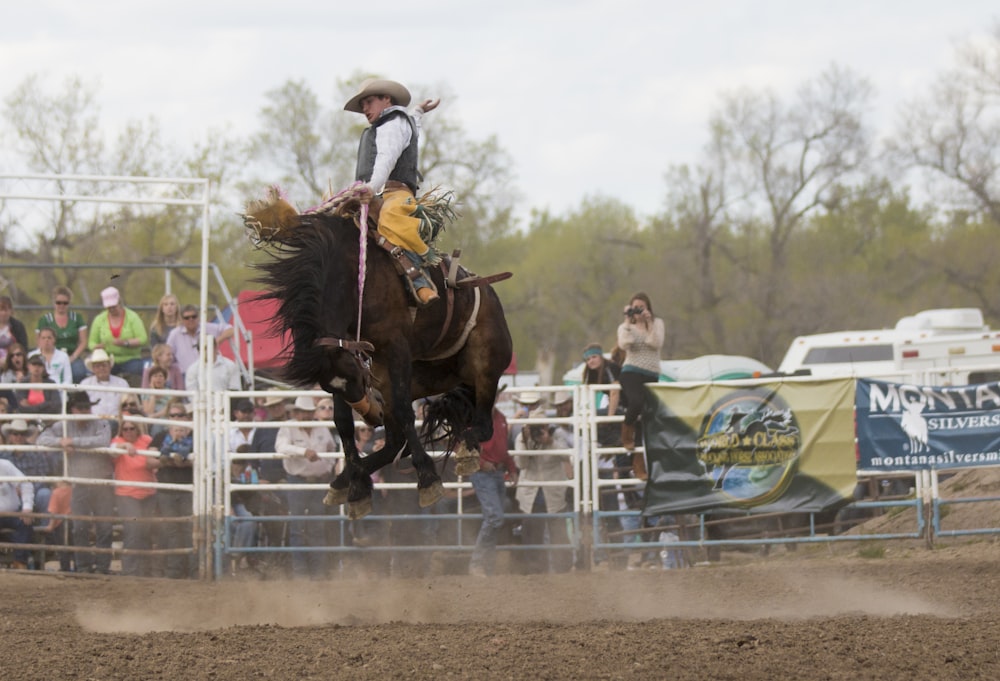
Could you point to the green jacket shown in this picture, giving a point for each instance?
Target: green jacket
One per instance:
(132, 329)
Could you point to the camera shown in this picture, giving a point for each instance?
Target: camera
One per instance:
(633, 311)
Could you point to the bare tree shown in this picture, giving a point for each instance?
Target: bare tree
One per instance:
(60, 134)
(953, 134)
(788, 161)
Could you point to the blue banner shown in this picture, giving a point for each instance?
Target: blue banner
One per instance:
(904, 427)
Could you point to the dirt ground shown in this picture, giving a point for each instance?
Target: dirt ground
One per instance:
(901, 612)
(877, 609)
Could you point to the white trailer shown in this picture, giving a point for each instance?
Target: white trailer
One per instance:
(951, 345)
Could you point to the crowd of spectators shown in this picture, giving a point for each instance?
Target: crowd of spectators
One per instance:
(109, 465)
(91, 426)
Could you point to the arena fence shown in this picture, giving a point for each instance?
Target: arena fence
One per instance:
(601, 526)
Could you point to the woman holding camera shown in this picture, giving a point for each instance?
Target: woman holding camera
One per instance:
(641, 337)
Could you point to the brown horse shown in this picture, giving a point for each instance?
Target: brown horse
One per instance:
(458, 347)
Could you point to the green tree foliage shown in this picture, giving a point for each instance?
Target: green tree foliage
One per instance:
(59, 133)
(573, 276)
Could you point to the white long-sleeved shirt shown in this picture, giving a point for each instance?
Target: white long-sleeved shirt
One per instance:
(292, 443)
(391, 138)
(15, 497)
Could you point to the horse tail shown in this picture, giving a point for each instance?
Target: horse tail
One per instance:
(448, 416)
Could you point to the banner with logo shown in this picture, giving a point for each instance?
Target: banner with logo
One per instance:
(771, 447)
(904, 427)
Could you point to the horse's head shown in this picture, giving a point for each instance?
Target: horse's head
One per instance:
(348, 365)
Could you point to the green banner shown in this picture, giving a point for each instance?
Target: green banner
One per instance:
(767, 447)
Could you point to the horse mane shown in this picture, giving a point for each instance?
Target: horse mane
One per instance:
(311, 273)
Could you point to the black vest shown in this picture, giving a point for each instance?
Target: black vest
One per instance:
(405, 170)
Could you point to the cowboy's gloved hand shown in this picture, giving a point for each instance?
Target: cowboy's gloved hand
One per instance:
(366, 192)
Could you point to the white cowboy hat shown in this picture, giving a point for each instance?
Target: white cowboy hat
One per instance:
(98, 355)
(528, 397)
(561, 397)
(18, 426)
(376, 86)
(304, 403)
(272, 400)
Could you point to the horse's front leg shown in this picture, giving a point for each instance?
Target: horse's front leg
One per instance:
(353, 485)
(402, 431)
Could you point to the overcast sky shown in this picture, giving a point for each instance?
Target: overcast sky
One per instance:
(588, 97)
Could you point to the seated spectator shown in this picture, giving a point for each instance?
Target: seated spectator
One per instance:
(223, 373)
(37, 400)
(15, 368)
(70, 329)
(120, 333)
(17, 497)
(135, 504)
(79, 439)
(166, 320)
(11, 329)
(154, 405)
(130, 404)
(243, 412)
(107, 404)
(185, 339)
(34, 464)
(163, 357)
(56, 361)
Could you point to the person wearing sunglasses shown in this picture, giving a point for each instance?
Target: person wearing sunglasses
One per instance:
(134, 503)
(70, 329)
(186, 338)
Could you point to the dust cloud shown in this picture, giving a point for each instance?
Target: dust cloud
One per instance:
(782, 594)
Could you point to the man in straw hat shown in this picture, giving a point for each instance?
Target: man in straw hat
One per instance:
(387, 162)
(78, 439)
(107, 404)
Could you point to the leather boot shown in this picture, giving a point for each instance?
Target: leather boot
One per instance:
(628, 436)
(426, 296)
(639, 465)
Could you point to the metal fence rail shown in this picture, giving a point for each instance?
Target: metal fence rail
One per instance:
(599, 528)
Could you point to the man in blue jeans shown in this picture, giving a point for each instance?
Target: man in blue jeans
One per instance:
(495, 464)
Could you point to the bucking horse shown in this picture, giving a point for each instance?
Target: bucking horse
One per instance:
(356, 331)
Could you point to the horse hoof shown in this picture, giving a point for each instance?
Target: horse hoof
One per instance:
(356, 510)
(467, 465)
(431, 495)
(335, 497)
